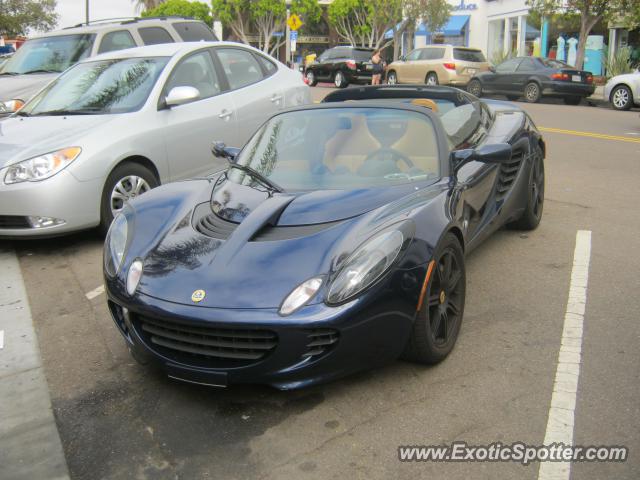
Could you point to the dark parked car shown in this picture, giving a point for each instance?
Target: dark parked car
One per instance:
(334, 242)
(534, 78)
(342, 66)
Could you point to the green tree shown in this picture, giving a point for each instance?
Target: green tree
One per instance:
(590, 11)
(264, 17)
(364, 22)
(433, 13)
(183, 8)
(17, 17)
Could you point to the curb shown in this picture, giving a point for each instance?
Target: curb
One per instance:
(30, 445)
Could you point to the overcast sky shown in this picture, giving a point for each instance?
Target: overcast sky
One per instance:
(72, 11)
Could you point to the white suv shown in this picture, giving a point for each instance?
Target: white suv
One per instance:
(43, 58)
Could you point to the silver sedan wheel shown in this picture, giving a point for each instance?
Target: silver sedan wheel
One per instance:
(620, 98)
(126, 189)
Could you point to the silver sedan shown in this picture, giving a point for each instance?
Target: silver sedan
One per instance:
(114, 126)
(623, 91)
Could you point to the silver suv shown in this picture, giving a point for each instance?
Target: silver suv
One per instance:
(43, 58)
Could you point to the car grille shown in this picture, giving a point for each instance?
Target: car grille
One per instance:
(320, 342)
(14, 221)
(206, 346)
(507, 175)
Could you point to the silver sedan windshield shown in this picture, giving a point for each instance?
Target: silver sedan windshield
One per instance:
(104, 86)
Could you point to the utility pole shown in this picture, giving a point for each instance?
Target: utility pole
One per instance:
(86, 9)
(287, 35)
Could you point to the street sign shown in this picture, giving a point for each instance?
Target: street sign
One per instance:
(294, 22)
(294, 36)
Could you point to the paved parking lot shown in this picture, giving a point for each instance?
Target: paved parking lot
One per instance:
(118, 420)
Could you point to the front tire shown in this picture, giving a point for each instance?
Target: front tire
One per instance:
(475, 88)
(621, 98)
(437, 323)
(431, 79)
(392, 78)
(340, 81)
(312, 81)
(532, 214)
(532, 93)
(124, 183)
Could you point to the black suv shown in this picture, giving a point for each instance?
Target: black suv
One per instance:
(342, 66)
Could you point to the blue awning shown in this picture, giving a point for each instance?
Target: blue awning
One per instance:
(451, 29)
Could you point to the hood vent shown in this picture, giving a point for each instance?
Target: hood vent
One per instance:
(272, 233)
(208, 223)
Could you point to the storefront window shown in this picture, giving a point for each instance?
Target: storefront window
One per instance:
(495, 46)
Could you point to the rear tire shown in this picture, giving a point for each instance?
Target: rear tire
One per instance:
(431, 79)
(392, 78)
(532, 93)
(621, 98)
(340, 81)
(123, 176)
(475, 88)
(312, 81)
(437, 323)
(572, 100)
(532, 214)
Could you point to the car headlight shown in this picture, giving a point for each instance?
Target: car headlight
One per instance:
(133, 276)
(115, 244)
(300, 295)
(11, 105)
(368, 263)
(42, 167)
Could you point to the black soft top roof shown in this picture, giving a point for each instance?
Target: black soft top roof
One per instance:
(384, 92)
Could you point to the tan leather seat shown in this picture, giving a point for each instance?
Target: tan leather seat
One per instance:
(349, 148)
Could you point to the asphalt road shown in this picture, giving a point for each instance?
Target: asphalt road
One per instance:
(118, 420)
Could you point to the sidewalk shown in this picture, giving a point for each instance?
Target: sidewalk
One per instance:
(30, 446)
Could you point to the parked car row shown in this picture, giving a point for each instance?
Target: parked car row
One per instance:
(116, 125)
(42, 58)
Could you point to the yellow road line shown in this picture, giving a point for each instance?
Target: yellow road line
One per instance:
(590, 134)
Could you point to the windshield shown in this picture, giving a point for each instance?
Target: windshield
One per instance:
(342, 148)
(49, 54)
(104, 86)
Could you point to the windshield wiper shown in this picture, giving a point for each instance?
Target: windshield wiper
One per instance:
(270, 184)
(9, 73)
(67, 112)
(40, 70)
(22, 114)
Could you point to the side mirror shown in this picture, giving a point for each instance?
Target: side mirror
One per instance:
(220, 150)
(496, 153)
(402, 58)
(492, 69)
(181, 95)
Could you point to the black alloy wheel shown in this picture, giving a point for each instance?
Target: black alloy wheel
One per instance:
(438, 321)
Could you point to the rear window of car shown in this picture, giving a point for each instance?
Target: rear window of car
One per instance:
(194, 31)
(154, 35)
(548, 62)
(361, 55)
(467, 55)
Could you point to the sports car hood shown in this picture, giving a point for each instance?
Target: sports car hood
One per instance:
(27, 137)
(255, 248)
(23, 87)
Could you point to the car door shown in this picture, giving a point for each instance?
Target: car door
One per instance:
(320, 68)
(411, 67)
(191, 128)
(254, 96)
(524, 71)
(504, 76)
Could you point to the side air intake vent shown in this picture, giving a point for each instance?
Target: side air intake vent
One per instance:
(507, 175)
(271, 233)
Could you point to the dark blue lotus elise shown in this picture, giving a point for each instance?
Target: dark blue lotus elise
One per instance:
(335, 240)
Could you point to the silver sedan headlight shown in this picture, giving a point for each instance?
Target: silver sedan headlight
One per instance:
(115, 245)
(366, 265)
(41, 167)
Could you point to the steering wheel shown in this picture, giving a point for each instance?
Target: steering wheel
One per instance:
(393, 153)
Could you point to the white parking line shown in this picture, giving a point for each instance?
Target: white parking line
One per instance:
(565, 388)
(96, 292)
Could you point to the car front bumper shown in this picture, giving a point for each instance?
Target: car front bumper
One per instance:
(61, 197)
(314, 345)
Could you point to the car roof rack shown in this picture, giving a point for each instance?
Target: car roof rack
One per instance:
(126, 20)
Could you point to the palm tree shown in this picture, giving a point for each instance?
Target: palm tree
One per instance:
(142, 5)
